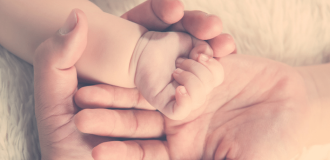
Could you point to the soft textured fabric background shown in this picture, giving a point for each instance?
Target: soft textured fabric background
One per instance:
(296, 32)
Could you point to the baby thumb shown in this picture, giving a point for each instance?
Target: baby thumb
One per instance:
(55, 76)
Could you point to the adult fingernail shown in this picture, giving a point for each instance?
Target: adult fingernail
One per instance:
(203, 57)
(69, 24)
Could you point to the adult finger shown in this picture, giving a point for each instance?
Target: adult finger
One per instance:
(120, 123)
(199, 24)
(55, 75)
(106, 96)
(222, 45)
(131, 150)
(156, 14)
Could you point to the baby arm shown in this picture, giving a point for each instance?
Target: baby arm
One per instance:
(168, 80)
(110, 46)
(111, 40)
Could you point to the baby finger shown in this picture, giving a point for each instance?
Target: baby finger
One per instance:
(199, 70)
(193, 85)
(214, 67)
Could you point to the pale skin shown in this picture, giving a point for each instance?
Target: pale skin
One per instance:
(127, 98)
(233, 124)
(59, 138)
(125, 55)
(262, 116)
(274, 123)
(257, 115)
(263, 110)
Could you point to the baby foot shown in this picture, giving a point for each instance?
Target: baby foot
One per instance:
(175, 91)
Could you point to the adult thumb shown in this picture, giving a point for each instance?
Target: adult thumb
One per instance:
(55, 76)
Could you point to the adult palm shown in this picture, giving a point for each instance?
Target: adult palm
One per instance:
(259, 112)
(56, 77)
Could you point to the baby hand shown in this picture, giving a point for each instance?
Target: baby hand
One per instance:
(168, 80)
(197, 79)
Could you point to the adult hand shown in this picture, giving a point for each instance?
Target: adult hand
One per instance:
(169, 15)
(260, 111)
(155, 15)
(55, 85)
(161, 15)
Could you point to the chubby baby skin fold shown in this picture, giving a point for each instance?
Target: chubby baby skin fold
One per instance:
(154, 67)
(112, 53)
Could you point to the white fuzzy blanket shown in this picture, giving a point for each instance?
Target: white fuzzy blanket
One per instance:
(296, 32)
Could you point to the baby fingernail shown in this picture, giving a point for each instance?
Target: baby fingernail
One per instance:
(183, 90)
(203, 57)
(179, 60)
(178, 71)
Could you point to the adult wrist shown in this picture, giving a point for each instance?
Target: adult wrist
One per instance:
(317, 83)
